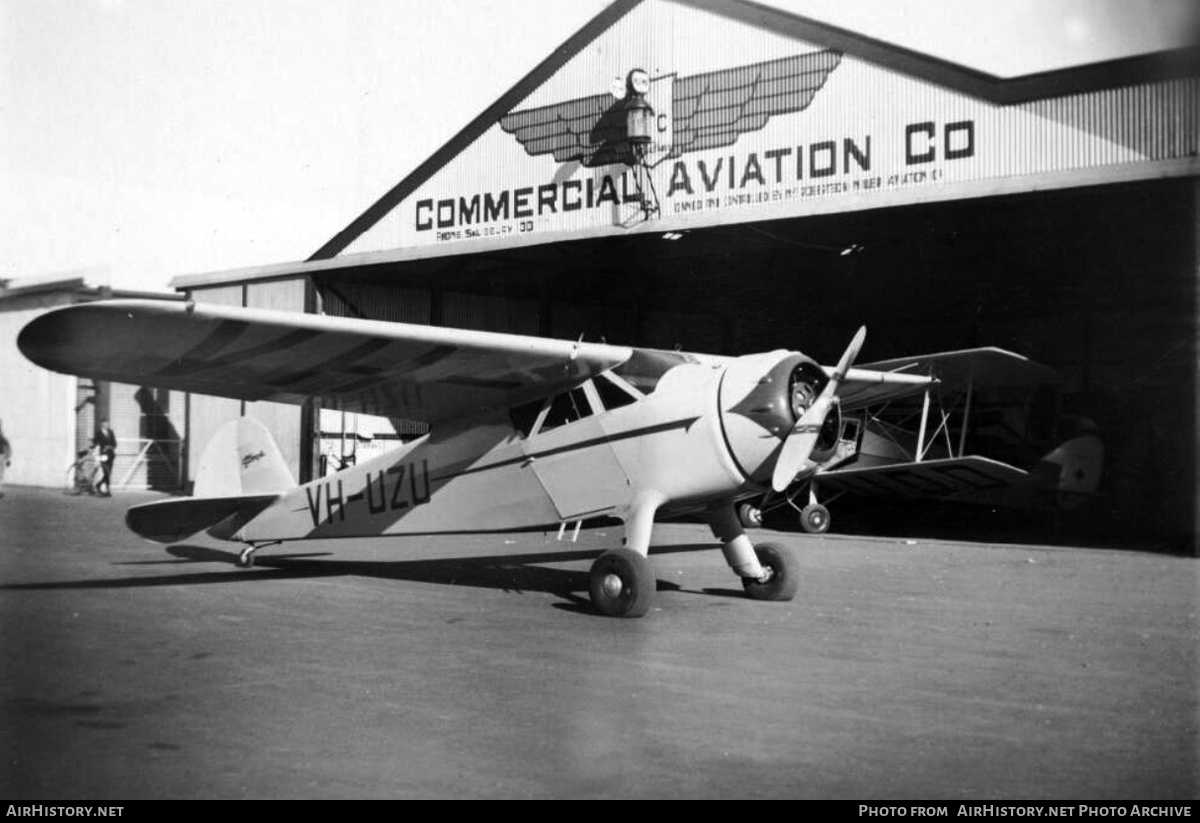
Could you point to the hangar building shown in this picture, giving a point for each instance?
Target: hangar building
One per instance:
(50, 417)
(797, 180)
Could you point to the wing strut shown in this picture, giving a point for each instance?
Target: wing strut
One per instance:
(920, 455)
(962, 436)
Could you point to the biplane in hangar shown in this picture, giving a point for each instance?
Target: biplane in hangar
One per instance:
(983, 432)
(526, 433)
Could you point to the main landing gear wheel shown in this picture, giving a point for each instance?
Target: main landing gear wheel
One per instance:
(749, 515)
(622, 583)
(783, 574)
(814, 518)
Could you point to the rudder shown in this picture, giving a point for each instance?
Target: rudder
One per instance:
(242, 459)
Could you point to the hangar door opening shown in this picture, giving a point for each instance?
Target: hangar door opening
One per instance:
(1098, 283)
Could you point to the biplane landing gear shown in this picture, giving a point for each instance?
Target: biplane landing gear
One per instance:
(781, 575)
(621, 583)
(814, 518)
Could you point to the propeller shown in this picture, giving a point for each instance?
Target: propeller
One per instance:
(799, 443)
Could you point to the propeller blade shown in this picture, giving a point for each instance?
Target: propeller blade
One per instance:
(799, 443)
(848, 358)
(803, 436)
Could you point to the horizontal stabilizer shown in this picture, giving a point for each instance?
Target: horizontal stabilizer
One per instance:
(166, 521)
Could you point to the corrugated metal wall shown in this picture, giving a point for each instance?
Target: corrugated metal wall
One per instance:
(485, 312)
(281, 419)
(349, 298)
(37, 407)
(149, 437)
(207, 414)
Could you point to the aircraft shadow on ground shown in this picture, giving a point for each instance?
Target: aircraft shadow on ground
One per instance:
(509, 572)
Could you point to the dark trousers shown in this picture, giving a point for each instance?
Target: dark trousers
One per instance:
(106, 463)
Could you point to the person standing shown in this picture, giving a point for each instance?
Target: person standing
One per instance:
(5, 457)
(106, 442)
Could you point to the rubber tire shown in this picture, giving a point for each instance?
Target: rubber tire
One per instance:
(749, 515)
(785, 577)
(637, 583)
(814, 518)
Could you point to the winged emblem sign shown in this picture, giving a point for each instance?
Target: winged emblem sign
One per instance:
(702, 111)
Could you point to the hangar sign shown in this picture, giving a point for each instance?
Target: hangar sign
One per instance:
(692, 114)
(749, 125)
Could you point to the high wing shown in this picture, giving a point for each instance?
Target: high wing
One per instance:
(380, 368)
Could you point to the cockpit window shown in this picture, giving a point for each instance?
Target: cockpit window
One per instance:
(612, 394)
(524, 417)
(646, 367)
(566, 408)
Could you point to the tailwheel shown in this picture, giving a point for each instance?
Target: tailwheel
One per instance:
(622, 583)
(750, 515)
(814, 518)
(246, 558)
(782, 574)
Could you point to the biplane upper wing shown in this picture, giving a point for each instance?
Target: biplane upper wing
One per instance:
(955, 369)
(874, 384)
(380, 368)
(867, 387)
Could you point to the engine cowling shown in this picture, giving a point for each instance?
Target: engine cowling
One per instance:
(761, 398)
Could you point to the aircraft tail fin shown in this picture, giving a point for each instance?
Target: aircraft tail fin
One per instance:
(242, 459)
(1081, 462)
(241, 473)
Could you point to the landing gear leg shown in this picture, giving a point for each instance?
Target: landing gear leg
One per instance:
(246, 558)
(768, 571)
(621, 582)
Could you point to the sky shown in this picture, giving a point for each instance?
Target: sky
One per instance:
(145, 139)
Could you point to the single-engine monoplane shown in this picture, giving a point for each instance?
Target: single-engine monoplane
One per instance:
(526, 433)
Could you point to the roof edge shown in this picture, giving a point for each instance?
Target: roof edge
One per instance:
(1124, 71)
(476, 128)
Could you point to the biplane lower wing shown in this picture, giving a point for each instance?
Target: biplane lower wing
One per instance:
(955, 478)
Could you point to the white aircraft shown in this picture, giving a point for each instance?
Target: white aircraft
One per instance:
(526, 433)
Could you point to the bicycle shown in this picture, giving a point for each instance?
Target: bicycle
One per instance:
(84, 473)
